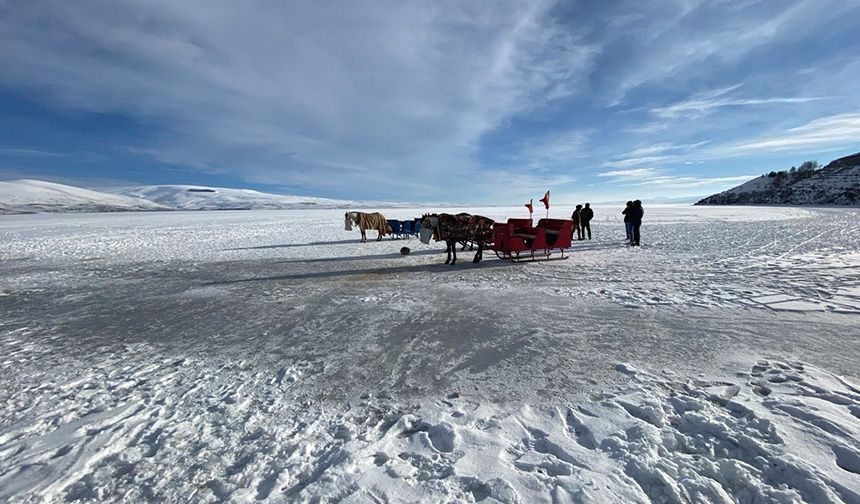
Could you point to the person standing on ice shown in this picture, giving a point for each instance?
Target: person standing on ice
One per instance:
(576, 217)
(585, 216)
(628, 221)
(638, 213)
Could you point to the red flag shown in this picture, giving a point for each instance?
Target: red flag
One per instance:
(530, 207)
(545, 200)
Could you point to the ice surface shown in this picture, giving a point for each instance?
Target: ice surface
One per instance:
(243, 356)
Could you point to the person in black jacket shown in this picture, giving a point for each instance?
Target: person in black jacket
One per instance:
(638, 213)
(585, 216)
(628, 221)
(576, 217)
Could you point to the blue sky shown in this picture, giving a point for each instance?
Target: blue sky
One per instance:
(484, 102)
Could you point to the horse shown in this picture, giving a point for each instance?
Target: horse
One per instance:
(366, 221)
(454, 229)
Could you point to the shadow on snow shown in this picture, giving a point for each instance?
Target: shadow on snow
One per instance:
(392, 255)
(390, 270)
(294, 245)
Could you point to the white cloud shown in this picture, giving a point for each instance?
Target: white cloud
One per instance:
(833, 131)
(664, 148)
(653, 153)
(553, 151)
(677, 38)
(634, 161)
(655, 178)
(672, 182)
(704, 103)
(25, 152)
(316, 95)
(633, 174)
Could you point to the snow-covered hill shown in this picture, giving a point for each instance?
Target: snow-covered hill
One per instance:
(26, 196)
(838, 183)
(186, 197)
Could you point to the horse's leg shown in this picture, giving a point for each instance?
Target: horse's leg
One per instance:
(363, 236)
(448, 251)
(454, 252)
(479, 254)
(379, 238)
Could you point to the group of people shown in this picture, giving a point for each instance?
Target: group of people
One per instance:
(633, 214)
(582, 221)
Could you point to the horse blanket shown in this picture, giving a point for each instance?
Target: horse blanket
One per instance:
(374, 221)
(465, 227)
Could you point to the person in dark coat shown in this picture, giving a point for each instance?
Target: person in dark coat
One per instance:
(585, 216)
(638, 213)
(576, 217)
(628, 221)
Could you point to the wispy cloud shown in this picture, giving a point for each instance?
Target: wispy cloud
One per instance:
(304, 88)
(553, 151)
(634, 161)
(707, 102)
(682, 38)
(826, 132)
(661, 148)
(25, 152)
(674, 182)
(438, 100)
(634, 174)
(656, 178)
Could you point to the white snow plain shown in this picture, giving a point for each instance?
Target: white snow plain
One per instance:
(269, 356)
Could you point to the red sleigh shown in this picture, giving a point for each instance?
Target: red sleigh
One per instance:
(518, 240)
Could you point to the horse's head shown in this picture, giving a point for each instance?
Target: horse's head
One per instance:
(429, 227)
(348, 219)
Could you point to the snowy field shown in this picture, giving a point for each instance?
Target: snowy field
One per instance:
(268, 356)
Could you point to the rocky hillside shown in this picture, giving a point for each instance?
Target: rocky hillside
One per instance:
(838, 183)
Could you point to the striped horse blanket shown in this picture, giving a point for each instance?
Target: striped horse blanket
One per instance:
(375, 221)
(465, 227)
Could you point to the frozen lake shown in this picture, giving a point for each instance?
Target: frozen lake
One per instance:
(267, 355)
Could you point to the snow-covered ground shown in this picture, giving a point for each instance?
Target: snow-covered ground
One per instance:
(245, 356)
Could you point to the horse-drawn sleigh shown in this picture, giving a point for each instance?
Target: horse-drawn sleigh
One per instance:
(516, 240)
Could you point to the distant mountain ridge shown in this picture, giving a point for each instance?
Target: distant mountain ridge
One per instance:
(34, 196)
(189, 197)
(838, 183)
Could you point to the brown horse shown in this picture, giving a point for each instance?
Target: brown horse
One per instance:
(366, 221)
(453, 229)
